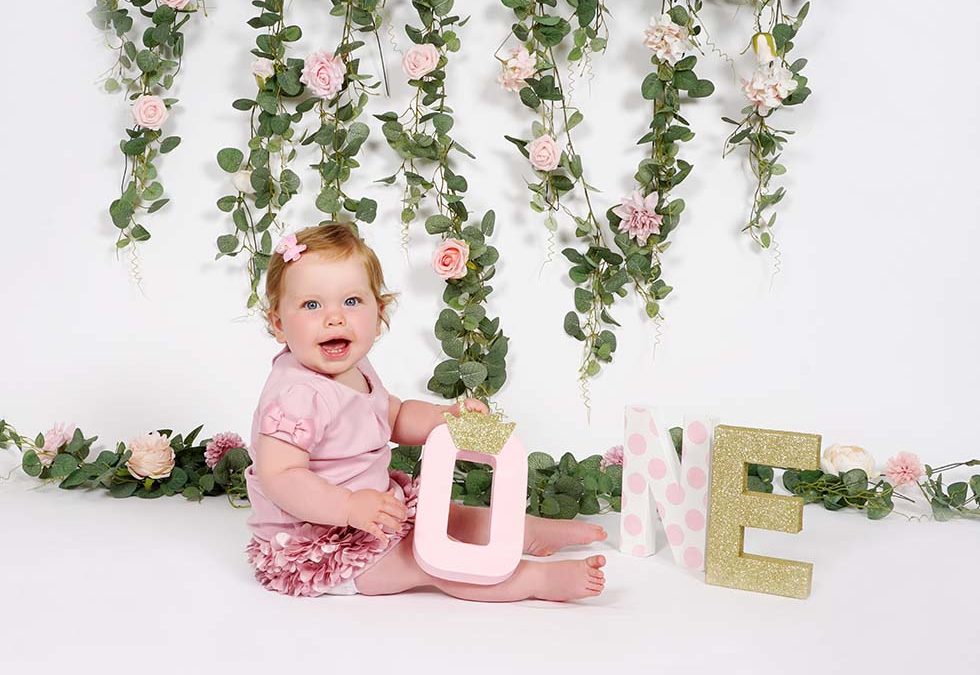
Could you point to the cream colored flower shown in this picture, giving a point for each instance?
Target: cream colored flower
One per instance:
(839, 459)
(152, 456)
(764, 47)
(263, 68)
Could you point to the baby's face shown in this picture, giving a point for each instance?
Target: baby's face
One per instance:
(327, 314)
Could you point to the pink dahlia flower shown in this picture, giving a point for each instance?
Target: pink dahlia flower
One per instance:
(219, 447)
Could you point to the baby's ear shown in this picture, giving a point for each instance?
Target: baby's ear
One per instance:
(275, 322)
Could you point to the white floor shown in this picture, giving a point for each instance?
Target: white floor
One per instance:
(92, 584)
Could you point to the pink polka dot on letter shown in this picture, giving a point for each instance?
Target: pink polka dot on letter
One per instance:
(694, 520)
(675, 535)
(657, 469)
(697, 433)
(693, 558)
(632, 524)
(675, 493)
(639, 549)
(696, 478)
(637, 483)
(637, 444)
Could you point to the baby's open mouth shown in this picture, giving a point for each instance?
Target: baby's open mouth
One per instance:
(335, 347)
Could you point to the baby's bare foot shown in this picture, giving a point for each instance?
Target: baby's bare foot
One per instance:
(571, 579)
(543, 536)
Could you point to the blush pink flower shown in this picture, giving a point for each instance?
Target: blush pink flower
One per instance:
(666, 39)
(449, 260)
(152, 456)
(543, 153)
(770, 85)
(54, 438)
(219, 447)
(420, 60)
(904, 468)
(613, 457)
(519, 66)
(324, 74)
(176, 4)
(150, 112)
(639, 216)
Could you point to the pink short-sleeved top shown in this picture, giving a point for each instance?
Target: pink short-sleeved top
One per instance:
(345, 431)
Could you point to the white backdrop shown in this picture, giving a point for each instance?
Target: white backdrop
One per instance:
(867, 335)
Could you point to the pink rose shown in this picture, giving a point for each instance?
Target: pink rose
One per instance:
(449, 260)
(177, 4)
(639, 217)
(324, 74)
(54, 438)
(903, 468)
(517, 68)
(544, 153)
(219, 447)
(152, 456)
(420, 60)
(150, 112)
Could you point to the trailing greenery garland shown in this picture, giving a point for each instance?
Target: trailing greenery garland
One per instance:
(474, 343)
(597, 271)
(264, 180)
(141, 72)
(776, 83)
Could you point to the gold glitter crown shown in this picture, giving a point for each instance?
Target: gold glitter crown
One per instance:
(478, 432)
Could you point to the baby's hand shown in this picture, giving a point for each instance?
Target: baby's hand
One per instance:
(372, 511)
(470, 405)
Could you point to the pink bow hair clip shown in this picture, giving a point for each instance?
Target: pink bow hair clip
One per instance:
(289, 249)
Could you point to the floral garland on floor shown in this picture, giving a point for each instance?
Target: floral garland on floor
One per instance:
(162, 464)
(338, 93)
(776, 83)
(155, 465)
(475, 345)
(142, 73)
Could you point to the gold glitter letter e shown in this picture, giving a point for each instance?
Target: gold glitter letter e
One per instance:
(733, 508)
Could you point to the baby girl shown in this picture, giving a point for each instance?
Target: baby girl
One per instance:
(327, 515)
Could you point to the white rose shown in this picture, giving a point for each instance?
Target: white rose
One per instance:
(152, 456)
(839, 459)
(242, 180)
(263, 68)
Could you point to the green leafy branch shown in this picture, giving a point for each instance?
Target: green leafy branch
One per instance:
(474, 343)
(953, 500)
(851, 489)
(142, 70)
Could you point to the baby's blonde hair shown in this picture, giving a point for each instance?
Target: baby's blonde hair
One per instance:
(336, 241)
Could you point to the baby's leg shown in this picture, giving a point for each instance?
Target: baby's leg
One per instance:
(563, 580)
(542, 536)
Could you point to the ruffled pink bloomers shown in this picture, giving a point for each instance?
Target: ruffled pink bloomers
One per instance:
(310, 559)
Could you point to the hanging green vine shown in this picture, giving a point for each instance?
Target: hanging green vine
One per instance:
(329, 83)
(145, 67)
(475, 345)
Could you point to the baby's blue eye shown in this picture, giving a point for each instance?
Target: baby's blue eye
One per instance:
(352, 302)
(311, 304)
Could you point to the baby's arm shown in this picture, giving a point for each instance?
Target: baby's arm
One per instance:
(412, 421)
(284, 473)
